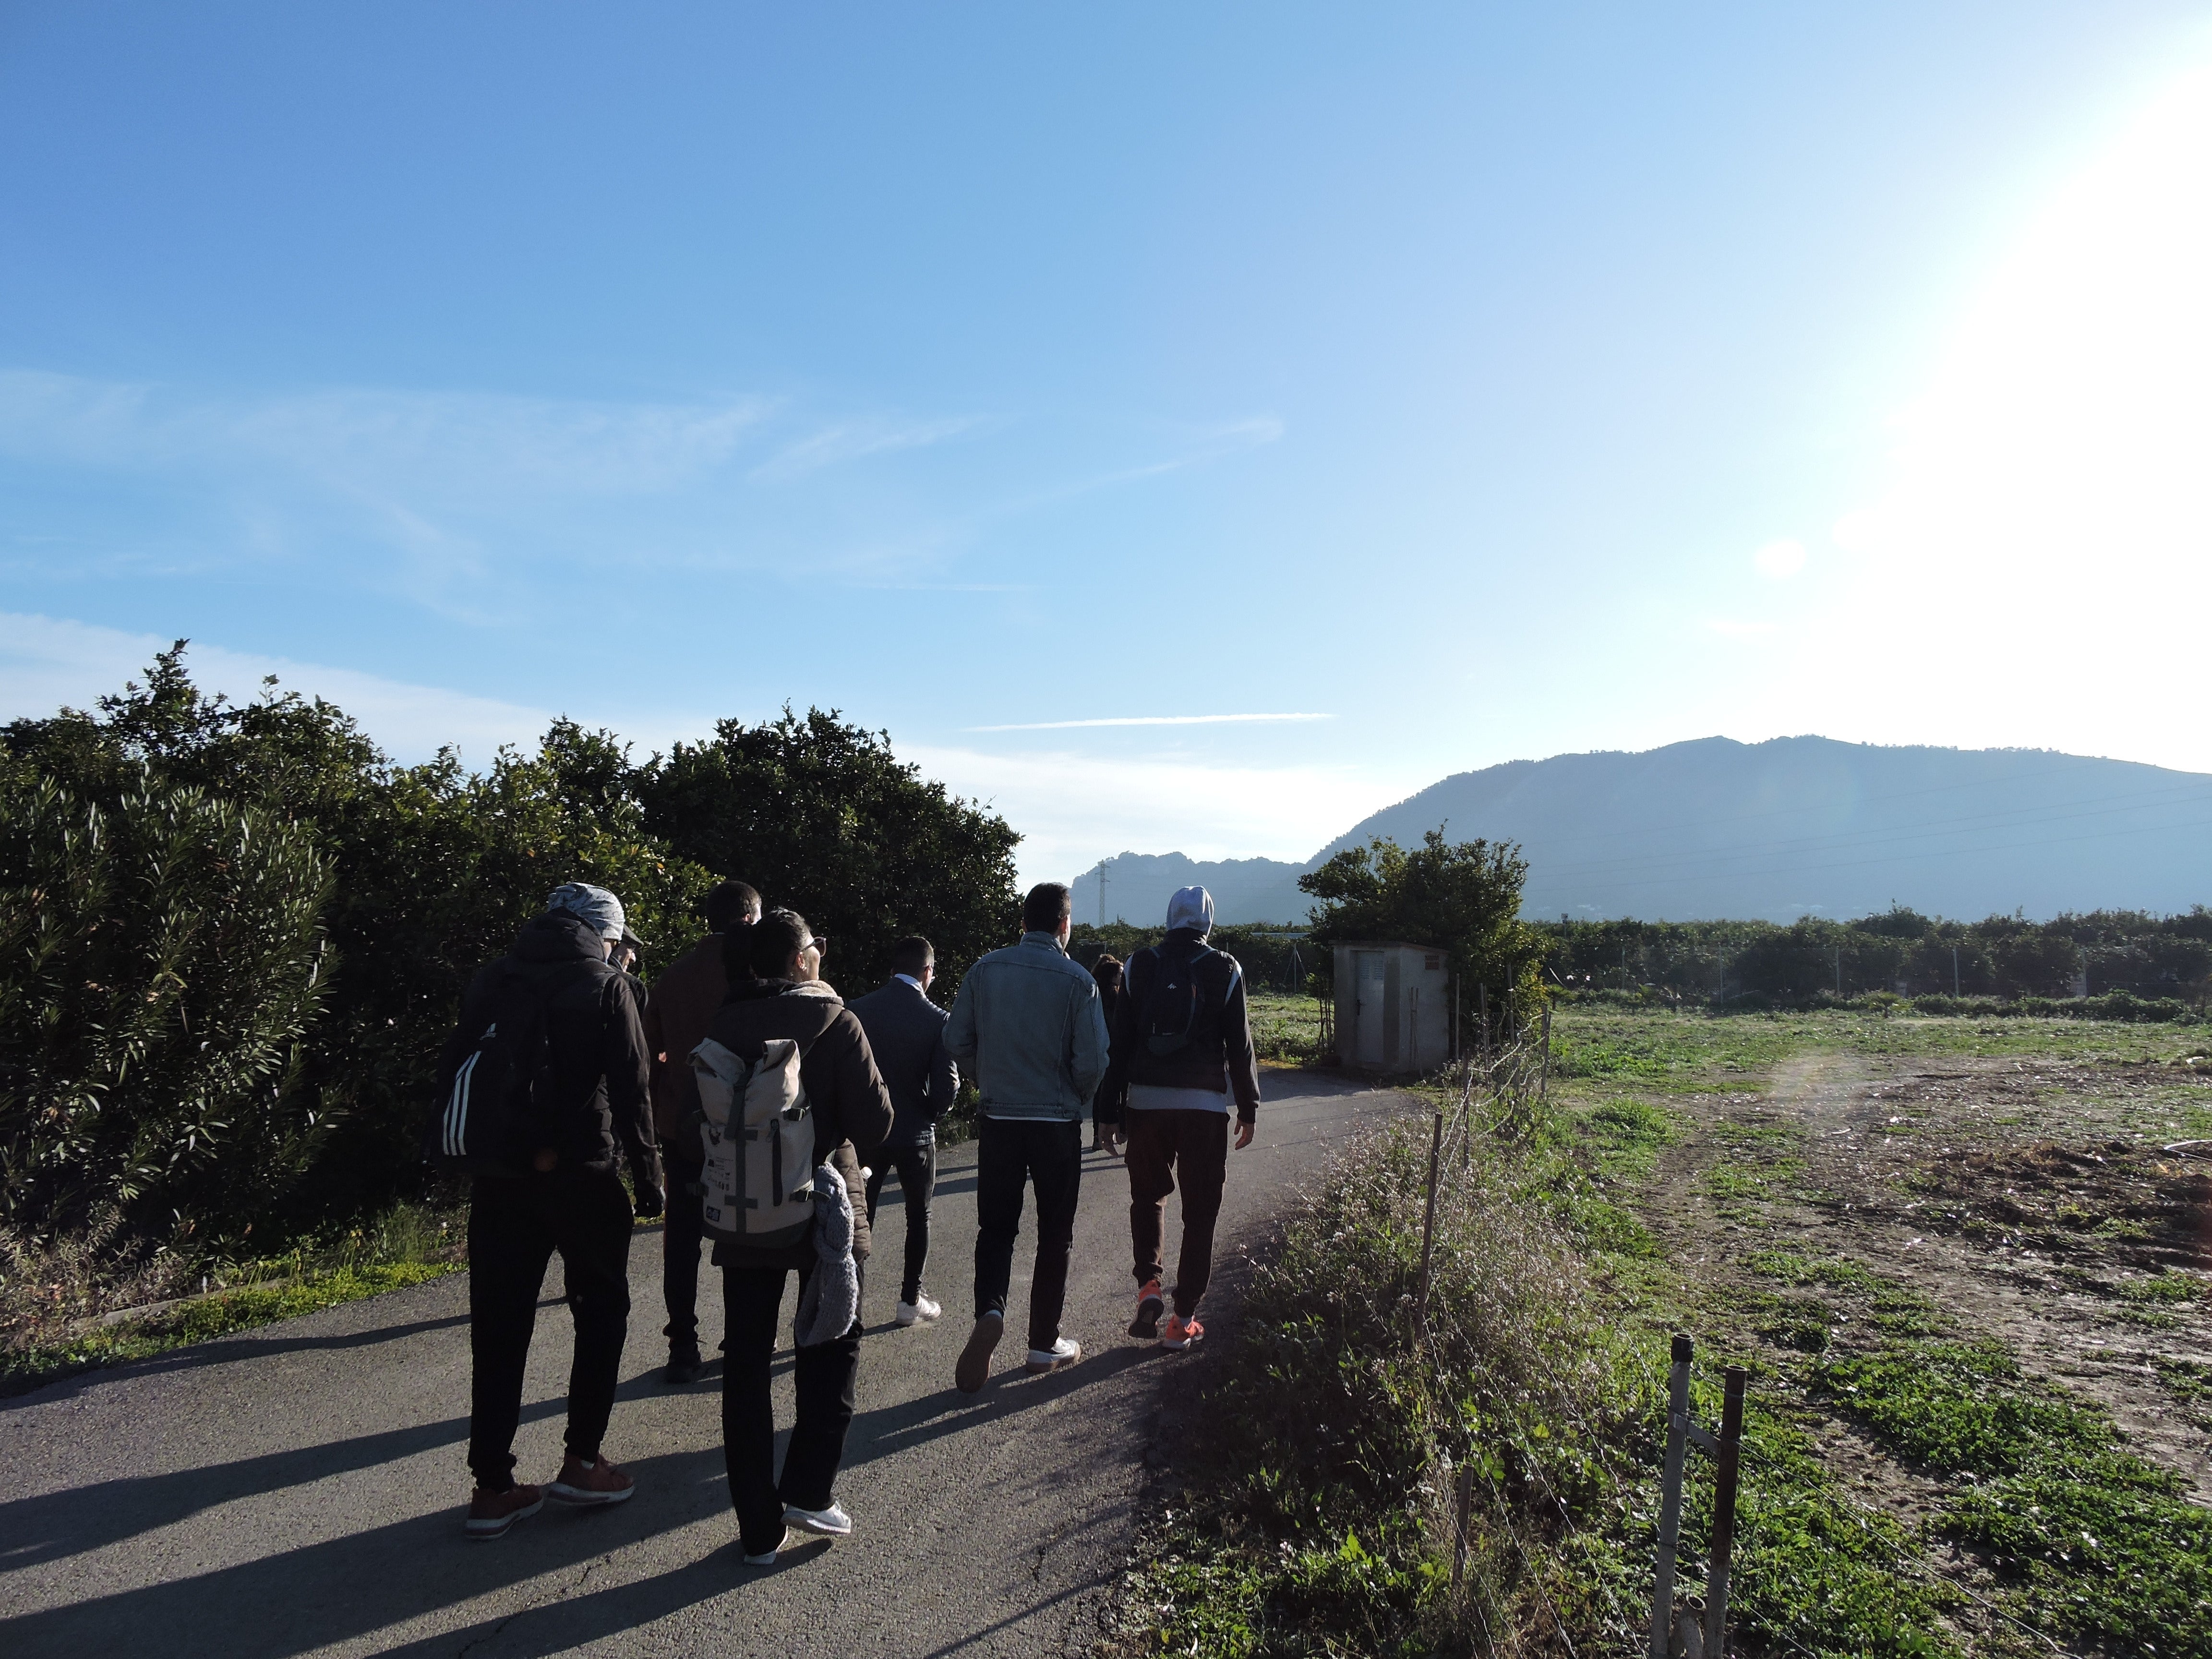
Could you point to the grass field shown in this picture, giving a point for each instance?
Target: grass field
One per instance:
(1965, 1261)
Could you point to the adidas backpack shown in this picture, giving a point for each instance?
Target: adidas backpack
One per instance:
(493, 1109)
(757, 1131)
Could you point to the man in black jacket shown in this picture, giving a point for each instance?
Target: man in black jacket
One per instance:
(1182, 1051)
(571, 1201)
(906, 1032)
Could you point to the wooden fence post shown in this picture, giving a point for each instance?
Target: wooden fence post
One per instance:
(1544, 1078)
(1717, 1579)
(1429, 1225)
(1670, 1496)
(1466, 1520)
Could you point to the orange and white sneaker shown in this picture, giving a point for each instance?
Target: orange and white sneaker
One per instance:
(590, 1485)
(1181, 1333)
(1151, 1304)
(491, 1513)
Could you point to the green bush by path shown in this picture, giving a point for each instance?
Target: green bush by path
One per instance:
(234, 936)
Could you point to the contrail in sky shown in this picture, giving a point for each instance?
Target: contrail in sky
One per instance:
(1147, 720)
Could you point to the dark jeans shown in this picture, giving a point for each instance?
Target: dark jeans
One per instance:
(1163, 1144)
(822, 1376)
(514, 1227)
(917, 1177)
(681, 1234)
(1012, 1153)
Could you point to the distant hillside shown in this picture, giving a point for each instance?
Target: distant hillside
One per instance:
(1244, 889)
(1791, 827)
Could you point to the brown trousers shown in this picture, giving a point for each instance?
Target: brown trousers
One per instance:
(1164, 1144)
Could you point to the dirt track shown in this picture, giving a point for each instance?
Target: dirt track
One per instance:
(2029, 1200)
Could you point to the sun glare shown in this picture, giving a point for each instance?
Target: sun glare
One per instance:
(2052, 491)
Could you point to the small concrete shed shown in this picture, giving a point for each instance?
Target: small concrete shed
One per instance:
(1394, 1006)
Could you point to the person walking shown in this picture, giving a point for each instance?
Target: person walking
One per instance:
(569, 1198)
(681, 1004)
(1027, 1022)
(1107, 971)
(776, 990)
(906, 1032)
(1183, 1052)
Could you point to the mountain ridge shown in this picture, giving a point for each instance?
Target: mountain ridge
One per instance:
(1712, 828)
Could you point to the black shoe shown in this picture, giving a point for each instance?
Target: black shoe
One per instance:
(684, 1366)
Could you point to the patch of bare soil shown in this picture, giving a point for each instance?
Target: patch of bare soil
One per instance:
(2046, 1204)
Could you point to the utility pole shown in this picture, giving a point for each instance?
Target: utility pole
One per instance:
(1102, 895)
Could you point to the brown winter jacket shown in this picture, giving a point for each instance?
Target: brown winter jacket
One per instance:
(851, 1108)
(677, 1015)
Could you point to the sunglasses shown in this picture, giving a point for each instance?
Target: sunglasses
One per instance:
(819, 945)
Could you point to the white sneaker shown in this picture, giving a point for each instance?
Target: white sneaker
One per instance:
(769, 1559)
(915, 1312)
(1065, 1351)
(832, 1523)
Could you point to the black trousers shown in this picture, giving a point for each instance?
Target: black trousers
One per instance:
(514, 1228)
(1010, 1154)
(823, 1376)
(681, 1234)
(917, 1174)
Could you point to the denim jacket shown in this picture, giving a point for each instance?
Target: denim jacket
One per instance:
(1028, 1026)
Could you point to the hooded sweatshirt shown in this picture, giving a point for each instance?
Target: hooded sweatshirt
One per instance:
(1217, 1062)
(596, 1045)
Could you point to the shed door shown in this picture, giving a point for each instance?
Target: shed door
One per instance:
(1367, 1040)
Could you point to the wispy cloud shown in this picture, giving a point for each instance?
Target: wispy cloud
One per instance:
(1074, 808)
(848, 441)
(1146, 720)
(942, 587)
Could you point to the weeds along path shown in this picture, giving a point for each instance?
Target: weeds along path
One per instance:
(299, 1489)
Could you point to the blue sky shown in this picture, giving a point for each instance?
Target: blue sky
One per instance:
(1477, 382)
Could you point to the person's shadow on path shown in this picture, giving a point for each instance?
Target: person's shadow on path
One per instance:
(345, 1588)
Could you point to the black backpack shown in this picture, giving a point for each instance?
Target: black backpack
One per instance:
(493, 1106)
(1173, 1011)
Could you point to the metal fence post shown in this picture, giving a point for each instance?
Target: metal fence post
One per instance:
(1670, 1496)
(1716, 1580)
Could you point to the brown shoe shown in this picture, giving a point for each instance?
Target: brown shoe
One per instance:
(590, 1485)
(491, 1513)
(973, 1368)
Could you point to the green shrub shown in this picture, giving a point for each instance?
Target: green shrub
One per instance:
(160, 961)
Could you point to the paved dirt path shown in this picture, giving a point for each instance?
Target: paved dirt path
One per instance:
(298, 1490)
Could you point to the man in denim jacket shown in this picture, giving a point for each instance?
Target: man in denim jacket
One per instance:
(1028, 1026)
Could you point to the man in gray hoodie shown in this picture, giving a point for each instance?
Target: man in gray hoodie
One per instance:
(1028, 1026)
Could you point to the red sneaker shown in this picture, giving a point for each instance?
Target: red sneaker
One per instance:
(590, 1485)
(1150, 1306)
(491, 1513)
(1181, 1333)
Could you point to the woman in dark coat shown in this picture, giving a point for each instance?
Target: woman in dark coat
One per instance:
(776, 990)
